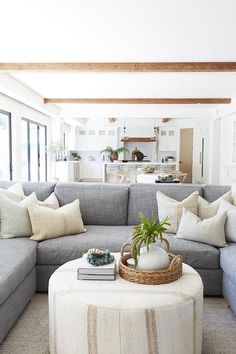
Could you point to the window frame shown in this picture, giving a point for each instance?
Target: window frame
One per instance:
(8, 114)
(29, 121)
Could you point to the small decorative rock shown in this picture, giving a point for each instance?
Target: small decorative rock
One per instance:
(98, 257)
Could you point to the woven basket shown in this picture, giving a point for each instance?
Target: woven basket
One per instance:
(153, 277)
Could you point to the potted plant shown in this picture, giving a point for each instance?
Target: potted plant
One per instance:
(114, 154)
(150, 257)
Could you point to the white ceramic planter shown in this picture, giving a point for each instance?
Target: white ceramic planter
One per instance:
(156, 258)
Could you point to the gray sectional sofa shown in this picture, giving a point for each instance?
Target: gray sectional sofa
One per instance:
(109, 213)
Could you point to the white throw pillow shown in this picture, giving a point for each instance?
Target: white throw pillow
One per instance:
(15, 192)
(210, 231)
(206, 210)
(230, 225)
(171, 208)
(50, 202)
(15, 220)
(48, 223)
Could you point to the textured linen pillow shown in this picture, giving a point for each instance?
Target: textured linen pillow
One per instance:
(173, 209)
(210, 231)
(206, 210)
(50, 202)
(230, 225)
(14, 192)
(15, 220)
(48, 223)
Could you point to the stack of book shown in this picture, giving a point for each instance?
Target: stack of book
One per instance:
(87, 271)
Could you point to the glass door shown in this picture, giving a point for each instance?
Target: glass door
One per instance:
(5, 146)
(34, 161)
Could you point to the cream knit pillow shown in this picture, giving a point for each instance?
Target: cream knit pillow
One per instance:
(206, 210)
(15, 192)
(48, 223)
(210, 231)
(50, 202)
(173, 209)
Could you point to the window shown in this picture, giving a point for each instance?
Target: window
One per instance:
(234, 143)
(33, 146)
(5, 146)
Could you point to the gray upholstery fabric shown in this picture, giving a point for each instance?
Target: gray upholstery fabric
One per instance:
(17, 258)
(44, 273)
(196, 254)
(16, 303)
(100, 204)
(213, 192)
(212, 281)
(229, 291)
(63, 249)
(228, 261)
(142, 197)
(42, 189)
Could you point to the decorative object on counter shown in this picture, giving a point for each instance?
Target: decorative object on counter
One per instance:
(137, 155)
(76, 156)
(57, 149)
(170, 158)
(148, 169)
(114, 153)
(151, 257)
(165, 177)
(153, 277)
(98, 257)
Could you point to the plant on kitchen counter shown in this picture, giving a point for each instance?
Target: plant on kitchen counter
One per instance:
(114, 154)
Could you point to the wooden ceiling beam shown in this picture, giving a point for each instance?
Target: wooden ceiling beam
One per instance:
(139, 100)
(124, 67)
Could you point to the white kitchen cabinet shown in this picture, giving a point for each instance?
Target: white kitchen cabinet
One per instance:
(88, 139)
(91, 171)
(167, 140)
(66, 171)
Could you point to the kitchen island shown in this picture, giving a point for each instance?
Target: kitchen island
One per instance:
(133, 167)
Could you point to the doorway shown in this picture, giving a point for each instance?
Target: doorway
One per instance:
(186, 153)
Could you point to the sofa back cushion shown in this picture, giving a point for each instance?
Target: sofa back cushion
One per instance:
(100, 204)
(142, 197)
(213, 192)
(42, 189)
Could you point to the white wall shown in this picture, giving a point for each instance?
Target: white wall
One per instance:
(19, 111)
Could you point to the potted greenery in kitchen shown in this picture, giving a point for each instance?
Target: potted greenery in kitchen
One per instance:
(150, 257)
(114, 154)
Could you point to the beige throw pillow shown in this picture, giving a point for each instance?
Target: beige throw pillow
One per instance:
(15, 220)
(173, 209)
(206, 210)
(15, 192)
(210, 231)
(50, 202)
(230, 225)
(48, 223)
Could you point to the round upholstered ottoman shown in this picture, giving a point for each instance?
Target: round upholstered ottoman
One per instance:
(119, 317)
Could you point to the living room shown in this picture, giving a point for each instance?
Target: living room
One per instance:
(117, 162)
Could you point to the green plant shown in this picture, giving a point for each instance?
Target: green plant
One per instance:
(146, 233)
(110, 150)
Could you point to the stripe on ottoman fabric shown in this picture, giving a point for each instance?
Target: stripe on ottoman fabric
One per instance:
(92, 330)
(151, 331)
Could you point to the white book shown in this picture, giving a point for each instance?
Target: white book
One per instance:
(96, 277)
(84, 267)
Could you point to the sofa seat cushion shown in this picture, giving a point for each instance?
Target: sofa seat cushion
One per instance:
(196, 254)
(100, 204)
(228, 261)
(142, 197)
(66, 248)
(17, 258)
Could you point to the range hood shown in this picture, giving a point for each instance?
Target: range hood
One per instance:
(139, 139)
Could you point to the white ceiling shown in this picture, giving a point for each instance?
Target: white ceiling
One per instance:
(113, 31)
